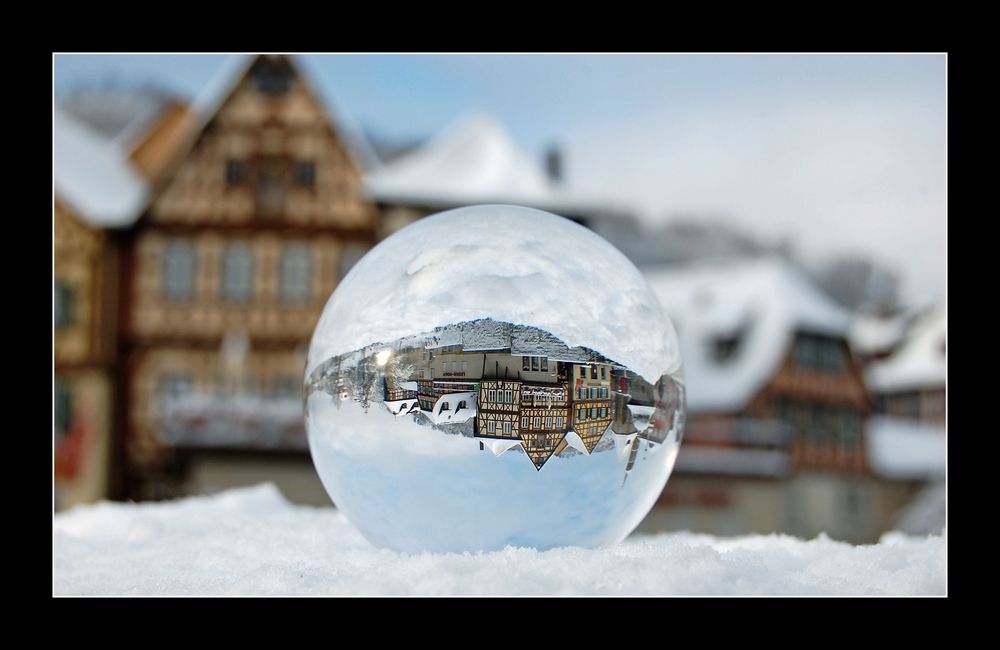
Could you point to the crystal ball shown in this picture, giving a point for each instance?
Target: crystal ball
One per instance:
(494, 376)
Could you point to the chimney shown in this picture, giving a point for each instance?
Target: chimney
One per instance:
(554, 164)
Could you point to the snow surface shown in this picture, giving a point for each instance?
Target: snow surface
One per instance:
(905, 449)
(763, 301)
(251, 542)
(93, 176)
(920, 361)
(508, 263)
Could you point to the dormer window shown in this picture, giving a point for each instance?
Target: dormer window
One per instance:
(305, 174)
(272, 76)
(725, 348)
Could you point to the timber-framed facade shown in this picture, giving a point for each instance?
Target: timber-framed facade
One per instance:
(252, 225)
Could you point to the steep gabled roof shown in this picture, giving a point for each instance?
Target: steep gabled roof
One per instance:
(759, 303)
(93, 176)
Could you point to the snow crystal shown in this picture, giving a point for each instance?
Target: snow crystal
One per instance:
(251, 542)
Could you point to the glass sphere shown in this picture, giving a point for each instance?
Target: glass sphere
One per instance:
(491, 376)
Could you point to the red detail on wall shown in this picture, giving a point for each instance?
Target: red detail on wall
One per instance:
(71, 450)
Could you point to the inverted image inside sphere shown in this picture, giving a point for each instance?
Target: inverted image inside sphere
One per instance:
(494, 376)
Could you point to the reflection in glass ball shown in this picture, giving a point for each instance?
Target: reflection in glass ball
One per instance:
(493, 376)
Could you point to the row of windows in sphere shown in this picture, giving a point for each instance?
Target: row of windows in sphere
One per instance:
(295, 270)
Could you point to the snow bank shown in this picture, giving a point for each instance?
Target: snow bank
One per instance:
(251, 542)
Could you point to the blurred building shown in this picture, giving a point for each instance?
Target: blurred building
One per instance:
(776, 406)
(907, 438)
(237, 218)
(108, 146)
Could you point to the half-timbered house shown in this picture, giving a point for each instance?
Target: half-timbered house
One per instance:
(259, 214)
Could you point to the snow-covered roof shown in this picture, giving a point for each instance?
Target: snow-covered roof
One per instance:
(474, 161)
(905, 449)
(870, 334)
(94, 176)
(121, 115)
(920, 361)
(760, 302)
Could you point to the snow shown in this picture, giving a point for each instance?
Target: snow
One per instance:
(763, 301)
(920, 361)
(905, 449)
(93, 176)
(508, 263)
(870, 334)
(475, 160)
(251, 542)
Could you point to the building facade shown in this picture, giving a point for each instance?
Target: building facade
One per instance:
(250, 229)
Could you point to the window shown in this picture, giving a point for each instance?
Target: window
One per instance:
(536, 422)
(548, 422)
(534, 363)
(593, 372)
(545, 364)
(508, 397)
(603, 372)
(173, 385)
(305, 174)
(583, 371)
(295, 273)
(559, 422)
(508, 427)
(525, 363)
(524, 422)
(63, 407)
(272, 76)
(237, 273)
(491, 426)
(491, 394)
(445, 406)
(235, 173)
(63, 305)
(822, 353)
(178, 271)
(593, 412)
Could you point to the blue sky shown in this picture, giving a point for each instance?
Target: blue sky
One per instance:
(836, 153)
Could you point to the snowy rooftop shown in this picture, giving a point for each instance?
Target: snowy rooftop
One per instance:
(905, 449)
(93, 175)
(871, 334)
(760, 302)
(473, 161)
(920, 360)
(251, 542)
(119, 114)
